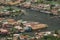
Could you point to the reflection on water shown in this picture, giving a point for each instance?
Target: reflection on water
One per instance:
(53, 22)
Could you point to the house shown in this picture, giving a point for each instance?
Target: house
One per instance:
(33, 1)
(54, 11)
(15, 2)
(2, 1)
(11, 2)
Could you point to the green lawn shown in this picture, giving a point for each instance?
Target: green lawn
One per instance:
(50, 38)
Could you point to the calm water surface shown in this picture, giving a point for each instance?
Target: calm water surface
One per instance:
(53, 23)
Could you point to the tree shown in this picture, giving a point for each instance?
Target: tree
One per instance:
(49, 0)
(40, 1)
(18, 38)
(56, 31)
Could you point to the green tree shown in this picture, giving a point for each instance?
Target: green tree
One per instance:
(56, 31)
(40, 1)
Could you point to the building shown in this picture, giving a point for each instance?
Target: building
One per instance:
(11, 1)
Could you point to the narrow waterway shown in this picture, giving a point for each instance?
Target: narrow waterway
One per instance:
(53, 22)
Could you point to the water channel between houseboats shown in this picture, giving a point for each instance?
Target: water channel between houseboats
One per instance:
(31, 15)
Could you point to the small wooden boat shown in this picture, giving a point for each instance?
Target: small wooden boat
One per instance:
(36, 26)
(39, 26)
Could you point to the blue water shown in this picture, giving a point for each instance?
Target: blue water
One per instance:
(53, 23)
(31, 15)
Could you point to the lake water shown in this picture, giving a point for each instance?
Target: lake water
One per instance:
(53, 23)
